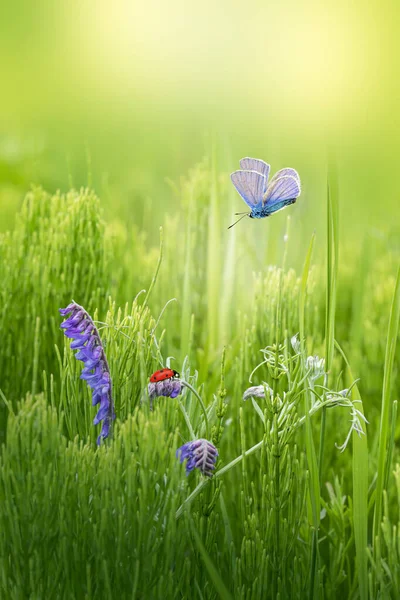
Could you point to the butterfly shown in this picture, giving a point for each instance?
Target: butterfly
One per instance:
(264, 198)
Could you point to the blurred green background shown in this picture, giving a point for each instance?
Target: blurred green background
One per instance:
(123, 94)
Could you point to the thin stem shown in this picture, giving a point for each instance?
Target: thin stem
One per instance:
(314, 546)
(276, 456)
(161, 314)
(315, 533)
(277, 492)
(322, 436)
(276, 446)
(153, 281)
(187, 421)
(221, 406)
(203, 408)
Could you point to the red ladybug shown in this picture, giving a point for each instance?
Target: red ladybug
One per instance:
(163, 374)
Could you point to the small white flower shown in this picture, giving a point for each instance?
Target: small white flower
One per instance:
(356, 420)
(296, 343)
(337, 397)
(316, 366)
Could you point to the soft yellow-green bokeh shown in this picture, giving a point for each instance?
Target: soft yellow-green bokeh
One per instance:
(137, 91)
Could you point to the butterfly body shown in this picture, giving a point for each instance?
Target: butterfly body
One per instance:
(260, 211)
(262, 196)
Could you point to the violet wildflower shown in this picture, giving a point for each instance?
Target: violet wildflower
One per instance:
(200, 454)
(81, 329)
(168, 387)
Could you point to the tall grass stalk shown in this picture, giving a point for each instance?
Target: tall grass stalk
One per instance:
(331, 284)
(386, 414)
(314, 485)
(360, 489)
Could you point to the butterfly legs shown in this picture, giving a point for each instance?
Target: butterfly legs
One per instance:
(246, 214)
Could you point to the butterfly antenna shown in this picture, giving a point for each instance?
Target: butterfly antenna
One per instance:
(242, 213)
(245, 215)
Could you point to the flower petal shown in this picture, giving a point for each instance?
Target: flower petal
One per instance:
(104, 408)
(70, 308)
(74, 320)
(80, 341)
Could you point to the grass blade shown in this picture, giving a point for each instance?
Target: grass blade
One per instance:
(314, 494)
(212, 571)
(386, 408)
(360, 491)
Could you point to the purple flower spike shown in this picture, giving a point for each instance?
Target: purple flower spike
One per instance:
(80, 328)
(200, 454)
(169, 387)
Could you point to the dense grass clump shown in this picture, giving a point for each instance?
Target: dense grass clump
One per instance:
(56, 251)
(280, 370)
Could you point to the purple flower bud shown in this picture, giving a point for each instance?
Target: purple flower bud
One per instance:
(105, 428)
(257, 391)
(169, 387)
(73, 321)
(90, 360)
(81, 329)
(200, 454)
(103, 410)
(71, 308)
(79, 340)
(93, 379)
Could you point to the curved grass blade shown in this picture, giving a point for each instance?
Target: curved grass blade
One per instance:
(360, 490)
(215, 577)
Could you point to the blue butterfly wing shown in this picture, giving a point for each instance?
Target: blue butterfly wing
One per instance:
(250, 185)
(280, 191)
(288, 172)
(277, 205)
(255, 164)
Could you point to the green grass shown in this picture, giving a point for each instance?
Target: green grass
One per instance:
(286, 514)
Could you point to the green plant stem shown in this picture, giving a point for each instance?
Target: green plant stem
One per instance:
(187, 420)
(314, 489)
(277, 495)
(203, 408)
(276, 455)
(154, 279)
(360, 492)
(221, 406)
(322, 437)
